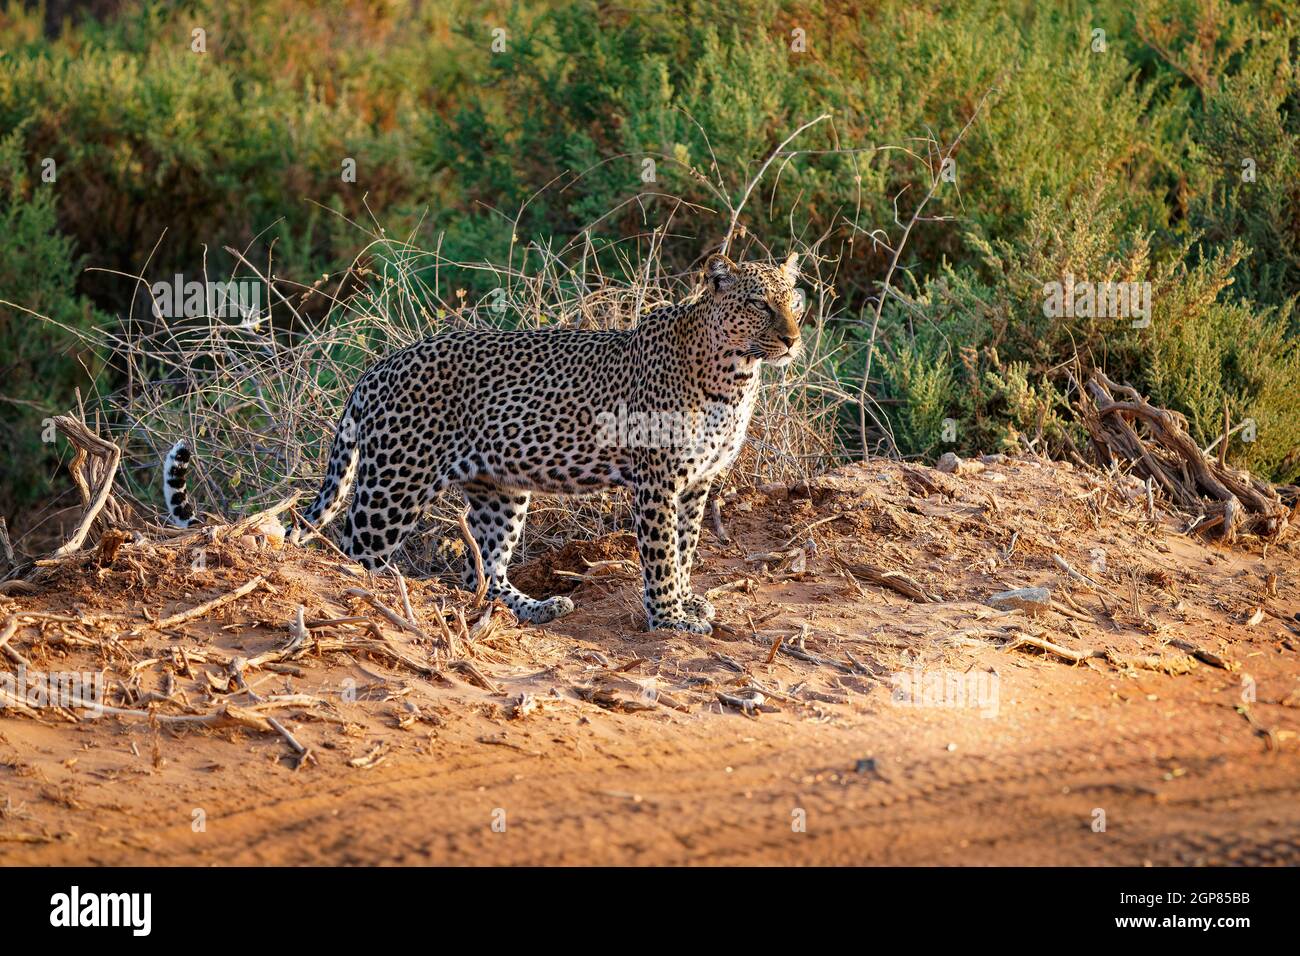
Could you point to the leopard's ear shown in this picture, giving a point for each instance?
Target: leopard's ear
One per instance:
(791, 268)
(720, 271)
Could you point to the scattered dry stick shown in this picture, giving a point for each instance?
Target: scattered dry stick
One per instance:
(393, 618)
(10, 629)
(1064, 611)
(1267, 733)
(476, 676)
(303, 754)
(819, 522)
(894, 580)
(739, 584)
(1152, 662)
(378, 644)
(716, 511)
(480, 589)
(1083, 579)
(316, 533)
(750, 706)
(215, 603)
(12, 702)
(807, 655)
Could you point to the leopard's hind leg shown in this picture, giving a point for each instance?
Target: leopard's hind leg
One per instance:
(496, 519)
(385, 506)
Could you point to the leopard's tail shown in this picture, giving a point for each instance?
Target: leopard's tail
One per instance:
(339, 473)
(175, 467)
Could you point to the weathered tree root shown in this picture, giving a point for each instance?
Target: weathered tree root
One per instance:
(1237, 501)
(94, 470)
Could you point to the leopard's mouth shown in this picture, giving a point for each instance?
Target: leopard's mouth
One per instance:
(782, 356)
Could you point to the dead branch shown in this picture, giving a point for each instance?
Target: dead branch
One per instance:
(107, 456)
(715, 509)
(750, 706)
(389, 614)
(1152, 662)
(1083, 579)
(894, 580)
(302, 753)
(6, 547)
(476, 676)
(1237, 501)
(481, 585)
(212, 605)
(315, 532)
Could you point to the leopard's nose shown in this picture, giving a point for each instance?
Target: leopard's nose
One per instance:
(788, 340)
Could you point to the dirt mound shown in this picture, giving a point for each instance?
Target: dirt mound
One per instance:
(562, 570)
(871, 693)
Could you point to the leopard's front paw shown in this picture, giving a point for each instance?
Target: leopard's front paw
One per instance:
(692, 625)
(696, 605)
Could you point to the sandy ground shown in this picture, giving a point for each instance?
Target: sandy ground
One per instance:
(1178, 746)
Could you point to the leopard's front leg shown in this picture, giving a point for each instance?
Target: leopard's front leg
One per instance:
(656, 504)
(690, 514)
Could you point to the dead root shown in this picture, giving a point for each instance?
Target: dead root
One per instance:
(1169, 665)
(1226, 499)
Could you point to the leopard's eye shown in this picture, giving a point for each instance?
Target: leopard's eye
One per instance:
(761, 305)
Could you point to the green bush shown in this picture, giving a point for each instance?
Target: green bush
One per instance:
(1210, 353)
(41, 366)
(985, 334)
(1248, 147)
(922, 385)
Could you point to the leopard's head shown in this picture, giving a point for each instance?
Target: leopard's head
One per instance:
(754, 307)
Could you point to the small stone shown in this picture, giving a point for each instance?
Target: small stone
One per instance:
(1030, 600)
(273, 531)
(951, 464)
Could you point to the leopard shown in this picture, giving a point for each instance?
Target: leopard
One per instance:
(660, 409)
